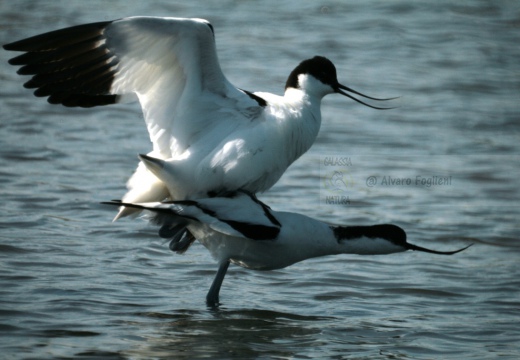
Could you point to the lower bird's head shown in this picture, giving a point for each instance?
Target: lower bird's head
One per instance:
(379, 239)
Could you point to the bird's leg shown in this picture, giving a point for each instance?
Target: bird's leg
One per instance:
(182, 240)
(212, 297)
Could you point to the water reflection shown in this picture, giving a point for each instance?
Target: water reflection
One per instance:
(219, 332)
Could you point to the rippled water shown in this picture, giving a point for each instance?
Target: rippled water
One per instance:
(74, 285)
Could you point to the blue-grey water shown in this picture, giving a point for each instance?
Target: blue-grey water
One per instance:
(444, 165)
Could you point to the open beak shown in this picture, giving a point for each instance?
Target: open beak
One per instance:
(338, 88)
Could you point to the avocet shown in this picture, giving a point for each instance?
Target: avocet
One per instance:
(240, 229)
(214, 136)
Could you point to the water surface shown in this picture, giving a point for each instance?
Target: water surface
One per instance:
(75, 285)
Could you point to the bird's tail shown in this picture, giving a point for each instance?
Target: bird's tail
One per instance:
(143, 187)
(169, 217)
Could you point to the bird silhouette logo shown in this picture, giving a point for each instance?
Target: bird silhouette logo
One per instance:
(338, 182)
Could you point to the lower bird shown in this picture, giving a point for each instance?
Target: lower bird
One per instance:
(240, 229)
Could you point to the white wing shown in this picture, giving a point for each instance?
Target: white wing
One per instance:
(170, 63)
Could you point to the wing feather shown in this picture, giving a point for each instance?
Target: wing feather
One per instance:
(170, 63)
(239, 215)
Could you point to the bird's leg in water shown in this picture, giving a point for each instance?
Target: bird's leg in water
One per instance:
(212, 297)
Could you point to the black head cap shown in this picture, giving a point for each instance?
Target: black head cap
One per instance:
(320, 67)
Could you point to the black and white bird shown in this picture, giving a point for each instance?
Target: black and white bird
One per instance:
(213, 136)
(240, 229)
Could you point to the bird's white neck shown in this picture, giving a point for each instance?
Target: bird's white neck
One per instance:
(303, 125)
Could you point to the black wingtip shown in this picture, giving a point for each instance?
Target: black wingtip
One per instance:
(59, 38)
(112, 202)
(9, 47)
(71, 66)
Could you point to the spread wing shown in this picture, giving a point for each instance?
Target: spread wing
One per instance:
(169, 63)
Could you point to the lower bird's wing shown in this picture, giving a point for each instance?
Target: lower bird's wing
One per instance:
(239, 214)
